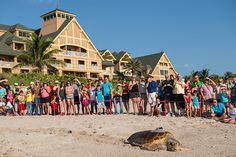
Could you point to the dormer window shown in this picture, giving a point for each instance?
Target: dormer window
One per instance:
(23, 34)
(63, 15)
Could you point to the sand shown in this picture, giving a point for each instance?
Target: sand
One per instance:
(95, 136)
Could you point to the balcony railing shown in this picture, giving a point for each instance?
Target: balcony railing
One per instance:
(81, 67)
(73, 53)
(5, 64)
(68, 65)
(106, 72)
(94, 67)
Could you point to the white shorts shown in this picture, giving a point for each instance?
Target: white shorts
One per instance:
(152, 98)
(101, 105)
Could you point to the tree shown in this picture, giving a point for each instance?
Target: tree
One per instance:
(147, 70)
(37, 54)
(228, 75)
(120, 75)
(204, 73)
(134, 66)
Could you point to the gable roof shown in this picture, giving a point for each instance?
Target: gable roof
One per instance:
(4, 48)
(119, 55)
(151, 59)
(53, 35)
(20, 26)
(107, 63)
(102, 52)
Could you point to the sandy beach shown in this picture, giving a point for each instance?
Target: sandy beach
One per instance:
(48, 136)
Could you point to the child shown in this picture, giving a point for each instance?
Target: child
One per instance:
(196, 104)
(29, 100)
(22, 107)
(54, 106)
(93, 99)
(9, 109)
(100, 100)
(188, 102)
(85, 101)
(232, 114)
(224, 98)
(10, 96)
(2, 107)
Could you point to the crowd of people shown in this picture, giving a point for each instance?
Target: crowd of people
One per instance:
(173, 96)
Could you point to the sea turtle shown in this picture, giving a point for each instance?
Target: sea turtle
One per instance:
(155, 140)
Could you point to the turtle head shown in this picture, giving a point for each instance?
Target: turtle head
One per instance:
(172, 145)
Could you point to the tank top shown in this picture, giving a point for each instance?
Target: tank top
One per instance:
(45, 93)
(62, 93)
(135, 88)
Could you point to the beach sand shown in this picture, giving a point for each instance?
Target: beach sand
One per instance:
(95, 136)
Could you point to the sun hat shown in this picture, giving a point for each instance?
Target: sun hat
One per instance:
(32, 83)
(16, 84)
(56, 82)
(118, 84)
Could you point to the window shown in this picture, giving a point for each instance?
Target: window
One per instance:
(81, 62)
(94, 64)
(54, 16)
(23, 34)
(58, 15)
(67, 17)
(68, 61)
(63, 15)
(164, 72)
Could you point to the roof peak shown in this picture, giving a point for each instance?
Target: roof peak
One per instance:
(59, 10)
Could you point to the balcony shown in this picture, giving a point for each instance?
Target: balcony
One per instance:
(5, 64)
(94, 67)
(73, 53)
(68, 65)
(81, 67)
(107, 72)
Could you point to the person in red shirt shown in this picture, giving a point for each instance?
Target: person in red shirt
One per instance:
(89, 85)
(54, 106)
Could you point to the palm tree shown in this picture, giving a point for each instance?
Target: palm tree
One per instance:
(204, 73)
(134, 66)
(147, 70)
(228, 75)
(37, 54)
(120, 75)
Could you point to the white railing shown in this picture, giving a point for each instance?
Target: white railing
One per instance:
(73, 53)
(5, 64)
(68, 65)
(106, 72)
(93, 67)
(81, 67)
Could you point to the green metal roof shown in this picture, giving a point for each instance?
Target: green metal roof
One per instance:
(4, 48)
(151, 59)
(20, 26)
(55, 34)
(119, 55)
(57, 10)
(107, 63)
(4, 27)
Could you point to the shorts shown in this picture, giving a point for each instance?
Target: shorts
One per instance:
(76, 100)
(152, 99)
(196, 105)
(46, 100)
(9, 111)
(233, 99)
(22, 107)
(70, 96)
(101, 105)
(143, 96)
(170, 97)
(134, 95)
(219, 114)
(125, 98)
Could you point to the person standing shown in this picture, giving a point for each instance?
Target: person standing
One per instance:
(76, 86)
(134, 93)
(45, 98)
(152, 91)
(117, 98)
(125, 95)
(107, 92)
(70, 97)
(233, 90)
(143, 95)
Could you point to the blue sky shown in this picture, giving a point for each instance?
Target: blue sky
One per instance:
(195, 34)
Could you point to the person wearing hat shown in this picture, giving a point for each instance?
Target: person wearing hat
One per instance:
(207, 92)
(117, 98)
(152, 92)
